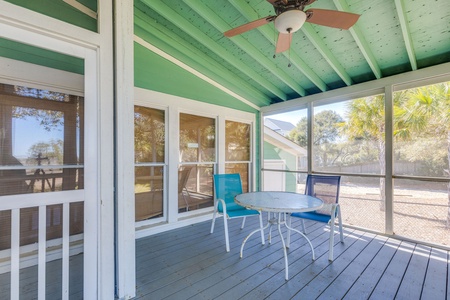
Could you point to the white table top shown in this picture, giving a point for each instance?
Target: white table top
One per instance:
(278, 202)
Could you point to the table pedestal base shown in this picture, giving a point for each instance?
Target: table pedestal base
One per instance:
(279, 221)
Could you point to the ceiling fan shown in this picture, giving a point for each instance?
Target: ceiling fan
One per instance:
(290, 17)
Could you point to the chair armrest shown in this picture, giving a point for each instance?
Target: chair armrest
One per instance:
(224, 207)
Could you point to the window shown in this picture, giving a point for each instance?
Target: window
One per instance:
(237, 150)
(149, 145)
(421, 163)
(41, 151)
(285, 149)
(197, 161)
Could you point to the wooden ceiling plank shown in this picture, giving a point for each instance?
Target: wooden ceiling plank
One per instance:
(245, 45)
(406, 34)
(249, 13)
(168, 13)
(358, 36)
(308, 30)
(221, 73)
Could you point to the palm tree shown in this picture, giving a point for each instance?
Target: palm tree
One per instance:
(426, 112)
(423, 111)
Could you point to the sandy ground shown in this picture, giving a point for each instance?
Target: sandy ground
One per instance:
(418, 214)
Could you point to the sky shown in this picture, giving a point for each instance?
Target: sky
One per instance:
(27, 132)
(295, 116)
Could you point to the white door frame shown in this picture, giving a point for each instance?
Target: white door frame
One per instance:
(31, 28)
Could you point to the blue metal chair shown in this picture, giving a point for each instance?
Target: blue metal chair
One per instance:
(325, 188)
(226, 187)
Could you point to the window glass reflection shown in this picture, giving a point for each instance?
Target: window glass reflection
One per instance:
(41, 145)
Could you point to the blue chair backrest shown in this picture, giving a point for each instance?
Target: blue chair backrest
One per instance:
(226, 187)
(324, 187)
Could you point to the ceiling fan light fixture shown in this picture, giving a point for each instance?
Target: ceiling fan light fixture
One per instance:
(290, 21)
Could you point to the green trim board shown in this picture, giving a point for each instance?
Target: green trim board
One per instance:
(61, 11)
(156, 73)
(38, 56)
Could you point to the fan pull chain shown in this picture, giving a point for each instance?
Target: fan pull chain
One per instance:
(290, 41)
(275, 40)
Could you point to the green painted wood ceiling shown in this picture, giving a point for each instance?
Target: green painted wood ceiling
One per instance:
(391, 37)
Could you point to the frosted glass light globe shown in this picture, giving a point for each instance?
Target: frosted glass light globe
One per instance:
(290, 21)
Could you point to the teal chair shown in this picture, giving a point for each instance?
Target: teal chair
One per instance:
(325, 188)
(226, 187)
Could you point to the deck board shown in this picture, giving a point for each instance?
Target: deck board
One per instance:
(196, 266)
(191, 263)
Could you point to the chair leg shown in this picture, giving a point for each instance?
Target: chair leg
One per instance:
(227, 241)
(330, 252)
(185, 201)
(341, 232)
(243, 222)
(213, 221)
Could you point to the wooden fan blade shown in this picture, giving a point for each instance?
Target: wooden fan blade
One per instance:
(331, 18)
(249, 26)
(284, 42)
(274, 1)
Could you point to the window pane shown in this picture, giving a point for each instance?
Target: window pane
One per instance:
(148, 188)
(421, 131)
(361, 204)
(348, 136)
(197, 138)
(421, 211)
(237, 141)
(286, 141)
(242, 169)
(42, 129)
(195, 187)
(149, 134)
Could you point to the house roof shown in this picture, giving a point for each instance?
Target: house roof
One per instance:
(278, 125)
(280, 141)
(390, 37)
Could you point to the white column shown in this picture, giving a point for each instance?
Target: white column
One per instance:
(125, 205)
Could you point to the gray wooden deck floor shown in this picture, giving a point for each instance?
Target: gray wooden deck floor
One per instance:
(191, 263)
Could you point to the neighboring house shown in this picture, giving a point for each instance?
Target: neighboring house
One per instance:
(281, 127)
(281, 153)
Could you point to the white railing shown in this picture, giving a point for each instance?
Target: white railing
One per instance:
(15, 204)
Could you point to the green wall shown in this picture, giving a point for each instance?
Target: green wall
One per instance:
(273, 152)
(153, 72)
(42, 57)
(60, 10)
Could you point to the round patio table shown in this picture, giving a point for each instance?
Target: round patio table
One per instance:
(279, 203)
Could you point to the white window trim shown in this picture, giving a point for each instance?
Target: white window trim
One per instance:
(175, 106)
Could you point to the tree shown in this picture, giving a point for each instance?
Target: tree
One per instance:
(426, 112)
(51, 151)
(325, 132)
(420, 112)
(366, 121)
